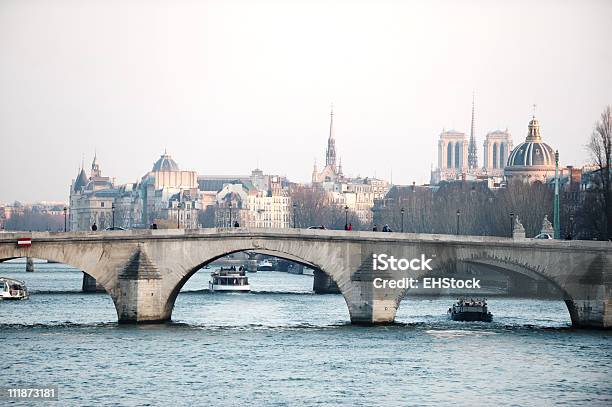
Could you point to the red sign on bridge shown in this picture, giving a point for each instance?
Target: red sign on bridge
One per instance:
(24, 242)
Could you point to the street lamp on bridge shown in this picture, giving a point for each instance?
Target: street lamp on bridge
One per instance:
(458, 215)
(511, 223)
(294, 214)
(230, 213)
(346, 208)
(178, 215)
(113, 217)
(402, 211)
(65, 224)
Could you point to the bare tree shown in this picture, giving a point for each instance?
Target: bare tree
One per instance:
(206, 217)
(313, 207)
(600, 147)
(34, 220)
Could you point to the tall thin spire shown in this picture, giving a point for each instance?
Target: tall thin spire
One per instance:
(472, 148)
(330, 155)
(331, 122)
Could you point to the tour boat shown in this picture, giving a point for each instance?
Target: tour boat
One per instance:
(229, 279)
(470, 310)
(13, 289)
(265, 265)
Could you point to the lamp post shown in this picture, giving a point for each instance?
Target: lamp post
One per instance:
(65, 224)
(346, 217)
(511, 223)
(557, 222)
(294, 214)
(178, 215)
(113, 216)
(402, 211)
(458, 215)
(230, 213)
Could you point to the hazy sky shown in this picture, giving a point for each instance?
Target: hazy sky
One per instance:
(225, 85)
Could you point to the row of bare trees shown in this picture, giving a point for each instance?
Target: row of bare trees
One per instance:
(469, 208)
(35, 221)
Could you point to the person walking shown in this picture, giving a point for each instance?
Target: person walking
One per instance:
(94, 227)
(350, 226)
(375, 228)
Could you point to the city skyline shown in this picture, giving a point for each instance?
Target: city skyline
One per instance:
(227, 97)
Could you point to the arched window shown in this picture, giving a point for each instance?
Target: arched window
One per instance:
(449, 155)
(458, 146)
(495, 155)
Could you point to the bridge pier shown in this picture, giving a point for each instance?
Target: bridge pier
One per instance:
(90, 285)
(323, 284)
(595, 314)
(29, 265)
(140, 301)
(141, 297)
(376, 312)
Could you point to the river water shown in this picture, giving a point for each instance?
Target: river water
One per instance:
(283, 345)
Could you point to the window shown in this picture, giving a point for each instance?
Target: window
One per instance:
(102, 204)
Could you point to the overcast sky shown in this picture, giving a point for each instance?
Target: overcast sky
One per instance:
(225, 85)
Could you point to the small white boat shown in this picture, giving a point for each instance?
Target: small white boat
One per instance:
(229, 280)
(13, 289)
(265, 265)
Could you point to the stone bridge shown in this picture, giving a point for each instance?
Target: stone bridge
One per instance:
(144, 270)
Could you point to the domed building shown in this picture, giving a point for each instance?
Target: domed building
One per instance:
(169, 193)
(533, 160)
(165, 163)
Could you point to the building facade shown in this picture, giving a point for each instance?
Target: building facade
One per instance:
(496, 148)
(458, 157)
(163, 195)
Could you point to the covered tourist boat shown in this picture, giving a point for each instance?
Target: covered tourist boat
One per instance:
(265, 265)
(470, 310)
(229, 279)
(11, 289)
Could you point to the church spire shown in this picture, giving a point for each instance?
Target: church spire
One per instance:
(95, 167)
(472, 148)
(331, 122)
(330, 155)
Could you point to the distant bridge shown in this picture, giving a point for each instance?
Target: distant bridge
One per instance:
(144, 270)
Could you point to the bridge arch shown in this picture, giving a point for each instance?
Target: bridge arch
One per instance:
(59, 260)
(513, 267)
(36, 286)
(504, 266)
(205, 260)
